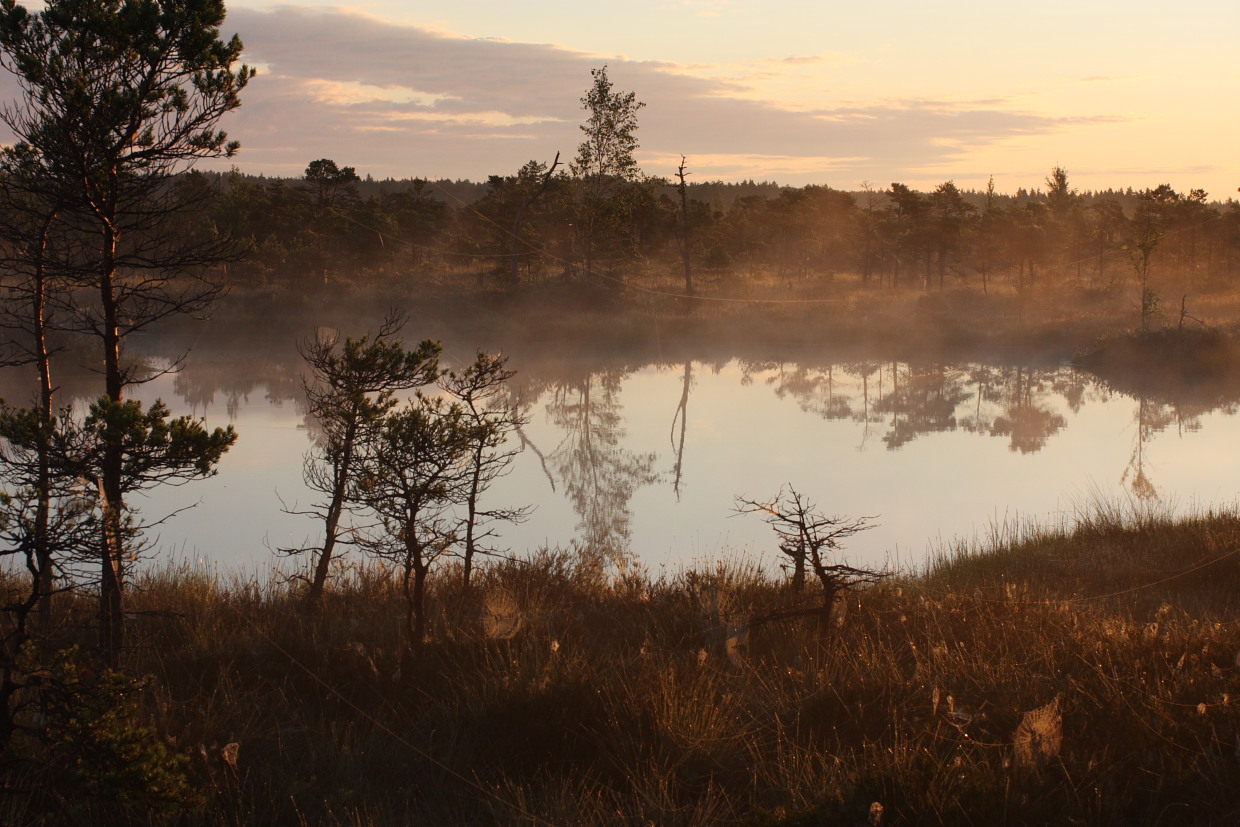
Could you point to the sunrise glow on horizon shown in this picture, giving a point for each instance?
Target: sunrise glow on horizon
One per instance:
(1120, 94)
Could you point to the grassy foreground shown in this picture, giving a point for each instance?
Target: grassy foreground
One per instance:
(1083, 676)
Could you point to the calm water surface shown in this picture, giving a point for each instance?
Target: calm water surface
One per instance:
(650, 459)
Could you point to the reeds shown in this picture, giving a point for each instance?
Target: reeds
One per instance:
(1086, 675)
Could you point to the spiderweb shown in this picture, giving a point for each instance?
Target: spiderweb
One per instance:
(1039, 736)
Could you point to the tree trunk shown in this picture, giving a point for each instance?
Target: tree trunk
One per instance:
(112, 553)
(335, 509)
(686, 238)
(42, 537)
(413, 589)
(471, 517)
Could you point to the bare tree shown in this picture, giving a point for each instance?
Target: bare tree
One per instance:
(811, 540)
(686, 235)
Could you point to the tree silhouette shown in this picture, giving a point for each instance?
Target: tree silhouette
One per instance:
(117, 98)
(350, 389)
(605, 167)
(811, 540)
(491, 418)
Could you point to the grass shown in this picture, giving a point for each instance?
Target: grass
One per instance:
(613, 701)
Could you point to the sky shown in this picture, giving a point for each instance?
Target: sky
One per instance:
(1119, 93)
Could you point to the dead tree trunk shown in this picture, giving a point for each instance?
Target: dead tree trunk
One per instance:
(686, 236)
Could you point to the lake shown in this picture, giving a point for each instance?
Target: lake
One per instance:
(650, 458)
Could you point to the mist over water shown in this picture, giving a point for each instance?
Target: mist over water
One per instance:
(647, 459)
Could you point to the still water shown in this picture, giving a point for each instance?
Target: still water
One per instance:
(649, 459)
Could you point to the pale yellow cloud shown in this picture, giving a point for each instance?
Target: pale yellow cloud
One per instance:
(795, 83)
(492, 118)
(344, 93)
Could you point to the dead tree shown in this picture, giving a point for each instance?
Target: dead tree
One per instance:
(686, 238)
(811, 541)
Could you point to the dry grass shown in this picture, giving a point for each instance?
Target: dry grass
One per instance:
(554, 694)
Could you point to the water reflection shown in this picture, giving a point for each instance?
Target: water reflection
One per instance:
(201, 381)
(918, 400)
(1025, 406)
(598, 474)
(1151, 418)
(923, 400)
(633, 458)
(1026, 418)
(682, 417)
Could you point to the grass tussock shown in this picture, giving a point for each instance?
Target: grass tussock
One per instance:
(554, 693)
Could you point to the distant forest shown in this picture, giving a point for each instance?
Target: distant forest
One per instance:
(332, 225)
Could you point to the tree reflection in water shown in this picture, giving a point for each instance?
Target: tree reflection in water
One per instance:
(681, 418)
(1016, 402)
(863, 415)
(1025, 419)
(1019, 402)
(1151, 418)
(1164, 397)
(599, 477)
(813, 388)
(923, 401)
(582, 460)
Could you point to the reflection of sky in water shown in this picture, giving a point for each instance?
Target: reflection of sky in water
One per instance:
(744, 438)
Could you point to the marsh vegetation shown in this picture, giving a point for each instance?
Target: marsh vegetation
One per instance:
(1083, 673)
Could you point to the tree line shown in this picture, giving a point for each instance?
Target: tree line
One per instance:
(599, 217)
(893, 237)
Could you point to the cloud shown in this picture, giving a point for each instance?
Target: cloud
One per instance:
(398, 100)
